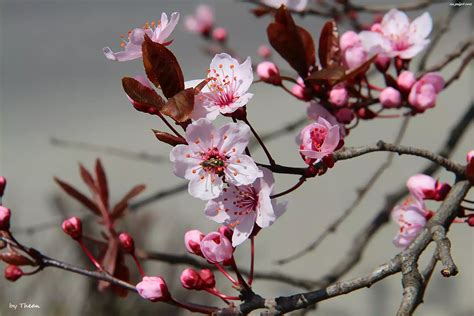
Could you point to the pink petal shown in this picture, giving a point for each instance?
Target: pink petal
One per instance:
(242, 170)
(202, 186)
(215, 210)
(243, 229)
(395, 23)
(420, 27)
(201, 135)
(233, 138)
(434, 79)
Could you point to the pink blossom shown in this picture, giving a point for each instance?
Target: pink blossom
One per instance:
(202, 21)
(3, 185)
(339, 95)
(424, 92)
(153, 288)
(411, 217)
(214, 156)
(227, 88)
(294, 5)
(192, 241)
(316, 110)
(133, 47)
(264, 52)
(5, 215)
(191, 280)
(243, 207)
(216, 248)
(219, 34)
(406, 80)
(426, 188)
(269, 72)
(352, 50)
(390, 98)
(73, 227)
(319, 139)
(396, 36)
(126, 242)
(470, 156)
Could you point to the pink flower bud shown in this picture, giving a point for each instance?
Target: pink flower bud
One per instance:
(376, 27)
(264, 52)
(382, 63)
(153, 288)
(425, 187)
(219, 34)
(406, 80)
(470, 156)
(208, 278)
(126, 242)
(349, 39)
(73, 227)
(5, 215)
(269, 72)
(344, 115)
(470, 220)
(13, 273)
(390, 98)
(424, 92)
(3, 185)
(191, 280)
(338, 95)
(216, 248)
(192, 241)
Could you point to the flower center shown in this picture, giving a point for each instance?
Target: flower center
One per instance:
(245, 199)
(214, 161)
(223, 85)
(318, 135)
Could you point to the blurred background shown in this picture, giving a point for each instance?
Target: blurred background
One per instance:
(56, 84)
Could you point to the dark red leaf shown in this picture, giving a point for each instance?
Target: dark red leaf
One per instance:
(327, 74)
(102, 184)
(329, 51)
(87, 178)
(144, 98)
(261, 11)
(122, 273)
(122, 205)
(162, 68)
(109, 261)
(292, 42)
(180, 106)
(362, 69)
(78, 196)
(16, 259)
(168, 138)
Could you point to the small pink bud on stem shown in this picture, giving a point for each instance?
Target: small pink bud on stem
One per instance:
(128, 245)
(73, 227)
(3, 185)
(5, 215)
(269, 72)
(192, 241)
(153, 288)
(13, 273)
(219, 34)
(264, 52)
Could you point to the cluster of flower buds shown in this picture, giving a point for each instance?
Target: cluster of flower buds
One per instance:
(202, 23)
(215, 247)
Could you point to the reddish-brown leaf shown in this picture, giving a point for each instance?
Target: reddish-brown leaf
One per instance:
(122, 273)
(328, 50)
(180, 106)
(16, 259)
(327, 74)
(169, 138)
(144, 96)
(78, 196)
(162, 67)
(292, 42)
(122, 205)
(87, 178)
(109, 261)
(358, 71)
(102, 184)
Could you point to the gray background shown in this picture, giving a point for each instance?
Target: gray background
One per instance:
(55, 82)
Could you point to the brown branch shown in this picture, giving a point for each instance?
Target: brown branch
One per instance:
(463, 47)
(464, 63)
(361, 193)
(443, 246)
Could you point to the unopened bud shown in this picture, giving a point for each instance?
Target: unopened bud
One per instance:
(153, 288)
(226, 231)
(208, 278)
(13, 273)
(264, 52)
(3, 185)
(470, 220)
(73, 227)
(126, 242)
(5, 215)
(191, 280)
(192, 241)
(269, 72)
(219, 34)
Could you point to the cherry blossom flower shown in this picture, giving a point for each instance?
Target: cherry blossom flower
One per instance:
(319, 139)
(158, 33)
(425, 187)
(212, 156)
(202, 21)
(424, 92)
(227, 88)
(411, 217)
(192, 241)
(243, 207)
(216, 247)
(390, 98)
(299, 90)
(396, 36)
(316, 110)
(353, 52)
(295, 5)
(153, 288)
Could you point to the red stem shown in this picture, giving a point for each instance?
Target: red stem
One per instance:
(193, 307)
(262, 144)
(139, 266)
(89, 254)
(227, 275)
(169, 125)
(214, 292)
(239, 276)
(252, 259)
(296, 186)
